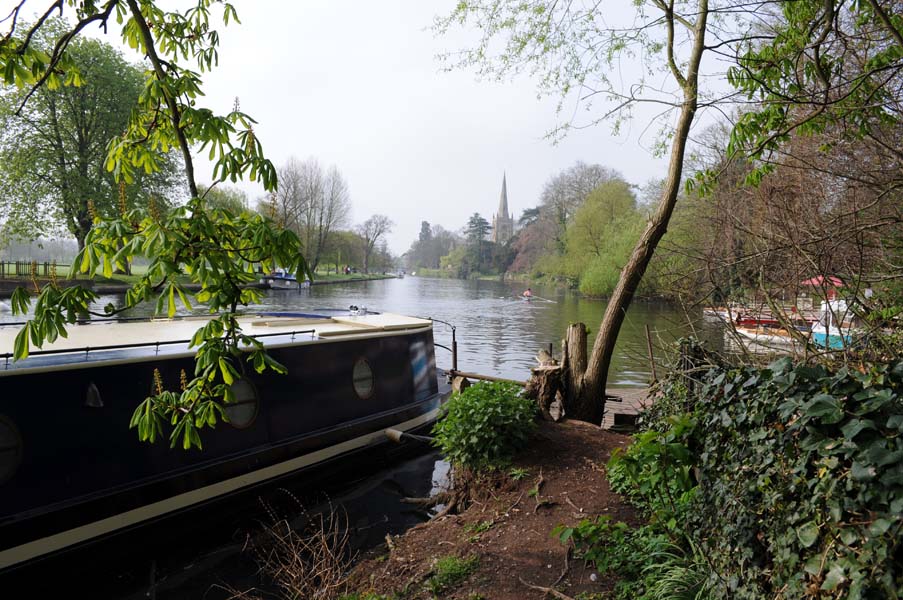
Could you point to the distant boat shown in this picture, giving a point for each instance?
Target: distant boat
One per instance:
(280, 280)
(832, 329)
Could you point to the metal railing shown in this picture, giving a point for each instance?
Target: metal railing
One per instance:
(156, 345)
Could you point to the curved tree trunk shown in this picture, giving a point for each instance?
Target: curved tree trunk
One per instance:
(594, 381)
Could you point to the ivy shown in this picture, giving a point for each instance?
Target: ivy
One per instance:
(800, 478)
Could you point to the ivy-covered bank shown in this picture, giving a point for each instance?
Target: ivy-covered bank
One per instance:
(782, 482)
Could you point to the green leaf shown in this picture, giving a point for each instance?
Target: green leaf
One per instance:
(834, 578)
(807, 533)
(226, 370)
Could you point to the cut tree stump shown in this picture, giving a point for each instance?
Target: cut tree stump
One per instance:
(459, 384)
(544, 386)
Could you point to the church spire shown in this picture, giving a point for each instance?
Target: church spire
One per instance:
(503, 199)
(502, 221)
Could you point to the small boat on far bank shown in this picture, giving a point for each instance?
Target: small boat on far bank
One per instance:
(280, 280)
(833, 330)
(72, 472)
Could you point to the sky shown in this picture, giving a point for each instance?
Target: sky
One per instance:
(358, 85)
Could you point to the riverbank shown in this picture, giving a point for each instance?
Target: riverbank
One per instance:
(120, 285)
(501, 547)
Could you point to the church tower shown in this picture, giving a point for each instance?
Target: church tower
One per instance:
(502, 222)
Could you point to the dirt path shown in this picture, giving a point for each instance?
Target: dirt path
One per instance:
(509, 527)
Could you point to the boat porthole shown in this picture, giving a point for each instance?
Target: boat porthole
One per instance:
(243, 411)
(362, 378)
(10, 449)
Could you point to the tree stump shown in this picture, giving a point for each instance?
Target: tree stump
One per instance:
(544, 386)
(459, 384)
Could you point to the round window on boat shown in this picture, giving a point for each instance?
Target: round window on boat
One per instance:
(10, 449)
(243, 411)
(362, 378)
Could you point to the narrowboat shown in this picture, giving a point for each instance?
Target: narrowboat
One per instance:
(72, 472)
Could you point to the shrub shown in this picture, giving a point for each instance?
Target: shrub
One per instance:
(485, 425)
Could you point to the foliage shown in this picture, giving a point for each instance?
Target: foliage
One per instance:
(215, 248)
(449, 572)
(809, 497)
(53, 149)
(485, 425)
(799, 489)
(822, 65)
(655, 472)
(646, 564)
(596, 240)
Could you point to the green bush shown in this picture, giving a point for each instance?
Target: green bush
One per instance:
(485, 425)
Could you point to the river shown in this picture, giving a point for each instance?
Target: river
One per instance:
(498, 334)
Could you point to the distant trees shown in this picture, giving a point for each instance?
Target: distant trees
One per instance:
(371, 232)
(53, 150)
(312, 202)
(565, 192)
(432, 244)
(225, 197)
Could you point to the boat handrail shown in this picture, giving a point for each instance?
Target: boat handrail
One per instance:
(454, 344)
(89, 349)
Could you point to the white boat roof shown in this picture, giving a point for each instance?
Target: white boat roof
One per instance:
(167, 336)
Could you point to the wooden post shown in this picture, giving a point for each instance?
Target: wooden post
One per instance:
(651, 357)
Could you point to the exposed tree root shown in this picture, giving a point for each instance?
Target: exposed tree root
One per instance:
(546, 590)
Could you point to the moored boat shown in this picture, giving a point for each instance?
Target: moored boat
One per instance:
(833, 329)
(279, 280)
(71, 470)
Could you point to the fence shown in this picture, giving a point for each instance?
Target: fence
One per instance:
(23, 269)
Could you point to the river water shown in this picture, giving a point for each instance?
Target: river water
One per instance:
(498, 334)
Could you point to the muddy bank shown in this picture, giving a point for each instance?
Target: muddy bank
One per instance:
(505, 535)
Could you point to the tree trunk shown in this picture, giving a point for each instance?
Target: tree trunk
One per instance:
(595, 379)
(577, 405)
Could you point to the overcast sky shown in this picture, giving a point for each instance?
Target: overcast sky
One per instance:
(357, 84)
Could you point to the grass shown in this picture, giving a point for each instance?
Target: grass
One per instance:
(449, 572)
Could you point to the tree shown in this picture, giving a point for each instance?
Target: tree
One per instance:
(565, 192)
(215, 250)
(345, 248)
(550, 39)
(476, 230)
(426, 232)
(53, 150)
(288, 203)
(225, 197)
(372, 231)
